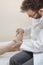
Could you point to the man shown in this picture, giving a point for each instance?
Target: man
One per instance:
(34, 9)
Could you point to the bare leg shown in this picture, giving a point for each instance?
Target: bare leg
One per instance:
(14, 45)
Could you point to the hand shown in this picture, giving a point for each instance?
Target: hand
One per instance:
(19, 34)
(19, 30)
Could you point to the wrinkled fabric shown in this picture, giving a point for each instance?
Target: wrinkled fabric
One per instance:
(35, 43)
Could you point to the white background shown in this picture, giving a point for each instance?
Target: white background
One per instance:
(11, 18)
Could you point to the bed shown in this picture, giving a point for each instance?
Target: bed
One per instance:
(4, 59)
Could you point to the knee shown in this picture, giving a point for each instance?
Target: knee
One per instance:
(13, 61)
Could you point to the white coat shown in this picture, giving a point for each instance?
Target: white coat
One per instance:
(35, 43)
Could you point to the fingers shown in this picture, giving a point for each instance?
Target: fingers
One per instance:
(19, 34)
(19, 31)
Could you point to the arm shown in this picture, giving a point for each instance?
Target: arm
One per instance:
(27, 31)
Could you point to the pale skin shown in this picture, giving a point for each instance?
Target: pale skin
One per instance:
(16, 43)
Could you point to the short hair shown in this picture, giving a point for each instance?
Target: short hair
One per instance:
(34, 5)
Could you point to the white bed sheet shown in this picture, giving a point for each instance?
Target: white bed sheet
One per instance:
(4, 59)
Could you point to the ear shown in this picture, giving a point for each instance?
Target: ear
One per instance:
(41, 11)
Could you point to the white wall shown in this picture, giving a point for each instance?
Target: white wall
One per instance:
(11, 18)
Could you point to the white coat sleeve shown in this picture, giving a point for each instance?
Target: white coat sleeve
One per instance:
(40, 39)
(27, 30)
(38, 44)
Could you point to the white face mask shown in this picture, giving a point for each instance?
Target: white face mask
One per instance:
(36, 21)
